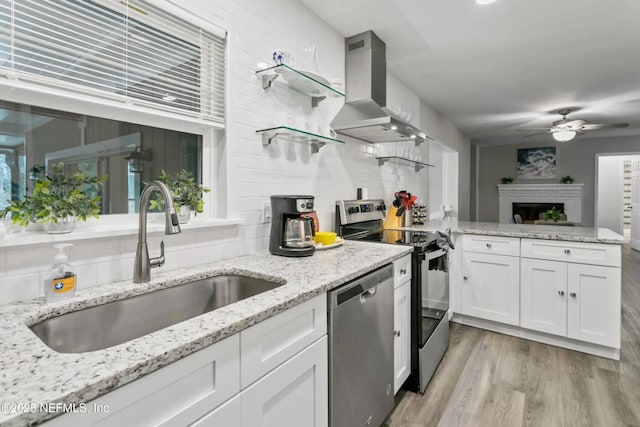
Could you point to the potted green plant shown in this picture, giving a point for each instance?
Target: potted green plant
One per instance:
(567, 180)
(186, 192)
(57, 201)
(553, 215)
(506, 180)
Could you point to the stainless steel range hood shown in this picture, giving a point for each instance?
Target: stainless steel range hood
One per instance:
(364, 115)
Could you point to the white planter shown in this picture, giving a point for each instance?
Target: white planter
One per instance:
(184, 214)
(64, 225)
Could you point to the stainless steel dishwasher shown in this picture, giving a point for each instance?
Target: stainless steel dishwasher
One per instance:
(361, 350)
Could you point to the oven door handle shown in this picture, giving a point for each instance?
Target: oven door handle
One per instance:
(435, 254)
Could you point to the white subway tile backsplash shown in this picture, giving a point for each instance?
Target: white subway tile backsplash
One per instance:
(109, 272)
(87, 275)
(20, 287)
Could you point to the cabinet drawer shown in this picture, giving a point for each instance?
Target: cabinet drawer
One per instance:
(401, 270)
(267, 344)
(176, 395)
(583, 253)
(491, 244)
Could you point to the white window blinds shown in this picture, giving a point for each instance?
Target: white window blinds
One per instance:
(125, 50)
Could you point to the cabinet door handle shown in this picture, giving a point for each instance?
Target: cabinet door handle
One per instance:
(489, 245)
(465, 277)
(403, 271)
(573, 294)
(567, 251)
(396, 333)
(561, 293)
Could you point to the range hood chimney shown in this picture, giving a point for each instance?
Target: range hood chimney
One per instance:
(364, 115)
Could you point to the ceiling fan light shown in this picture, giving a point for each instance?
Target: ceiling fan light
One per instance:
(564, 135)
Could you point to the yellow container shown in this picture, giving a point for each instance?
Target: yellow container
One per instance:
(325, 237)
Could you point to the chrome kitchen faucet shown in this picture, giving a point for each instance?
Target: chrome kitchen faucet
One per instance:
(143, 264)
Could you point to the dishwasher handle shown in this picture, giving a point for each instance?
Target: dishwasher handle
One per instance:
(367, 295)
(363, 288)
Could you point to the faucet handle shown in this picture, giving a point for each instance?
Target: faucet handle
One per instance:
(158, 261)
(174, 219)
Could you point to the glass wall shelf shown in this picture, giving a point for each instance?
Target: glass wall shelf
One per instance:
(306, 82)
(396, 159)
(316, 141)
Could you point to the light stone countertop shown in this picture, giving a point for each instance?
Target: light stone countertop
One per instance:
(548, 232)
(33, 373)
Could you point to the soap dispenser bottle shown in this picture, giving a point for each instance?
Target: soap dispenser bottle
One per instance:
(61, 281)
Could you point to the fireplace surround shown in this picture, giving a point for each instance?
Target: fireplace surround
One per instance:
(569, 195)
(529, 212)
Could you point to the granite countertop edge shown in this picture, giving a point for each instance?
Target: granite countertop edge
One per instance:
(29, 366)
(526, 231)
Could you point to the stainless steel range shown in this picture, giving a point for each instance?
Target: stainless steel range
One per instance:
(362, 220)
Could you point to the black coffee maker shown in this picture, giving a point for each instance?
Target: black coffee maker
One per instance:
(292, 228)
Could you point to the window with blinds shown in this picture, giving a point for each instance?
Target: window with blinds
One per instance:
(125, 50)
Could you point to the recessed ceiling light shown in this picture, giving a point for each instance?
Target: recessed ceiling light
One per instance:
(394, 127)
(485, 1)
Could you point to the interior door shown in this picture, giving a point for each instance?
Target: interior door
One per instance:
(635, 205)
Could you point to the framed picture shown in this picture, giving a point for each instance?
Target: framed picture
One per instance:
(536, 163)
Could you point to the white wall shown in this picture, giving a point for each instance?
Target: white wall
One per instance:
(254, 172)
(445, 132)
(610, 193)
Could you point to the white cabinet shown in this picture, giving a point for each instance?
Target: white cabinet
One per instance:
(575, 300)
(270, 342)
(543, 296)
(292, 395)
(402, 270)
(491, 287)
(593, 313)
(402, 334)
(583, 253)
(176, 395)
(401, 321)
(496, 245)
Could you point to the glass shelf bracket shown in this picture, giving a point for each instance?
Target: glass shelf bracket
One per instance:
(306, 82)
(315, 140)
(396, 159)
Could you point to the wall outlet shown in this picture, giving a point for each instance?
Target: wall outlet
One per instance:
(266, 211)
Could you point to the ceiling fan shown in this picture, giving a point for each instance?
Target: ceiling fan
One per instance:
(564, 130)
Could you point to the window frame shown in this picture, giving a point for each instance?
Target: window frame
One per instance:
(214, 159)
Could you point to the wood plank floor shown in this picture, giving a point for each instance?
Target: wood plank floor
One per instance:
(494, 380)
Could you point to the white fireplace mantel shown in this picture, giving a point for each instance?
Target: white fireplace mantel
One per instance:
(569, 194)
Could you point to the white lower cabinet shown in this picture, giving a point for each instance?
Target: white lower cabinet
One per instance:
(294, 394)
(593, 306)
(491, 287)
(578, 301)
(543, 296)
(402, 334)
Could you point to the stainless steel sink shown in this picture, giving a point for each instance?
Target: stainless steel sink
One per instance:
(111, 324)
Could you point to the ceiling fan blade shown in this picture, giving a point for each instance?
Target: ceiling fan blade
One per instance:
(534, 134)
(535, 130)
(596, 126)
(575, 124)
